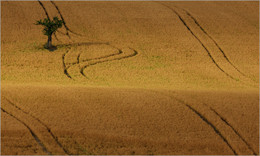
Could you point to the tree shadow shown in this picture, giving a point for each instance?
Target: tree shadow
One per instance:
(58, 46)
(82, 43)
(51, 49)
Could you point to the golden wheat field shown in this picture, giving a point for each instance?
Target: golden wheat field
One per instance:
(130, 78)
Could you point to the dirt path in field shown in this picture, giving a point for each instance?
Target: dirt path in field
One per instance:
(214, 51)
(233, 139)
(40, 131)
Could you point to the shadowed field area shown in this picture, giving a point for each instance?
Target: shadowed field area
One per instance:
(131, 78)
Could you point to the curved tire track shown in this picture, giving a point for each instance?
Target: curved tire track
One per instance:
(64, 23)
(217, 131)
(66, 66)
(212, 126)
(217, 45)
(45, 137)
(106, 56)
(207, 50)
(66, 27)
(238, 134)
(46, 13)
(97, 58)
(120, 58)
(206, 114)
(30, 130)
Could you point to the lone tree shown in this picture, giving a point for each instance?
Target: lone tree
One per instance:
(50, 27)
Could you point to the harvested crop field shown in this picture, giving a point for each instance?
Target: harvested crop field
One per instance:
(138, 78)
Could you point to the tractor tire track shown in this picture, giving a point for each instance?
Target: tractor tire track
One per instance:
(241, 81)
(216, 130)
(238, 134)
(210, 110)
(217, 45)
(106, 56)
(120, 58)
(97, 58)
(66, 66)
(66, 27)
(56, 37)
(212, 126)
(208, 52)
(46, 13)
(36, 138)
(53, 139)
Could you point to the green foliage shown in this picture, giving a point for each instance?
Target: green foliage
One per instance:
(50, 26)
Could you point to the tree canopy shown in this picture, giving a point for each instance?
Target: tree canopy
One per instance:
(50, 26)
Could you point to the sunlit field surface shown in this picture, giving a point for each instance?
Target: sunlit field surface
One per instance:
(131, 78)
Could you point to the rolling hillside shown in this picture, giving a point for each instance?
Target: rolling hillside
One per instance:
(131, 78)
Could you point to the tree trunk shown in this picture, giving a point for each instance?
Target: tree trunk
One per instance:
(49, 45)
